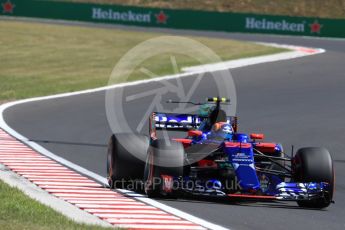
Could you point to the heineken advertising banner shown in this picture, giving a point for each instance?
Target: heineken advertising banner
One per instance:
(177, 19)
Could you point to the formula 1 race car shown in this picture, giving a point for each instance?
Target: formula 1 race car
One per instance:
(216, 160)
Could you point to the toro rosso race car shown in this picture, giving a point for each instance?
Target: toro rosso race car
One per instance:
(214, 159)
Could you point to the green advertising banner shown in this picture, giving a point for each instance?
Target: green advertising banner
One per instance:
(177, 19)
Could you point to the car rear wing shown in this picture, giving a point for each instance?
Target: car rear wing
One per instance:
(180, 122)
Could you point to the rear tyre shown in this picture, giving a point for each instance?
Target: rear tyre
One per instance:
(126, 159)
(314, 165)
(163, 158)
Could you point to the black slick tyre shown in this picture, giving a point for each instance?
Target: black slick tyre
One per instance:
(126, 157)
(314, 165)
(163, 158)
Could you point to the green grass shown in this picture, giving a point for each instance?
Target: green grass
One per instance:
(308, 8)
(18, 212)
(42, 59)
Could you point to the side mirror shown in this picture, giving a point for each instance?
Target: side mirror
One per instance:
(194, 133)
(257, 136)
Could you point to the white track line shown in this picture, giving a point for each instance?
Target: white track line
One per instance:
(297, 52)
(134, 215)
(142, 226)
(129, 211)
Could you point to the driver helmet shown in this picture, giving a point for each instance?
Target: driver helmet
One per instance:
(222, 129)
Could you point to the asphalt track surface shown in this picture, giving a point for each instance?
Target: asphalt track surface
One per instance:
(299, 101)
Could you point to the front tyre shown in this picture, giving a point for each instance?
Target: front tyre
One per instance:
(314, 165)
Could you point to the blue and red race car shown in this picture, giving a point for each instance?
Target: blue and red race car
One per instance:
(216, 160)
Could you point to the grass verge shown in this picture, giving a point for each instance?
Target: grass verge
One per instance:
(38, 59)
(17, 212)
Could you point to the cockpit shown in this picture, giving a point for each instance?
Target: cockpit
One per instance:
(220, 130)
